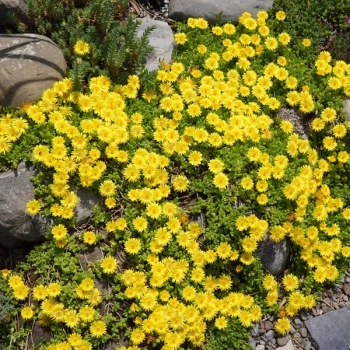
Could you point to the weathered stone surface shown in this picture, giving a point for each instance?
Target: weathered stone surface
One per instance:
(347, 109)
(288, 346)
(331, 331)
(231, 9)
(161, 39)
(39, 336)
(29, 64)
(296, 119)
(16, 189)
(274, 256)
(18, 7)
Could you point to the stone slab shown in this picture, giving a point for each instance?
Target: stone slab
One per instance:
(161, 39)
(288, 346)
(332, 330)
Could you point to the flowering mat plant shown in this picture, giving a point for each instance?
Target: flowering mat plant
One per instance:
(202, 137)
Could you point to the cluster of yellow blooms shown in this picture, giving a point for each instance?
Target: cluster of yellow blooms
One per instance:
(188, 95)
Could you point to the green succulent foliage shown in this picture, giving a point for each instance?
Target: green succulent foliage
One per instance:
(233, 337)
(322, 21)
(115, 49)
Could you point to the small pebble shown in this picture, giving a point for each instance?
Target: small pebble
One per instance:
(345, 298)
(252, 344)
(341, 304)
(269, 335)
(260, 347)
(297, 321)
(268, 325)
(346, 289)
(262, 331)
(292, 330)
(303, 332)
(308, 345)
(273, 341)
(282, 341)
(347, 279)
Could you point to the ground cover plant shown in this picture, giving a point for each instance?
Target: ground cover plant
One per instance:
(114, 48)
(193, 169)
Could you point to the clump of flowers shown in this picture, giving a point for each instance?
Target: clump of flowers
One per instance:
(206, 139)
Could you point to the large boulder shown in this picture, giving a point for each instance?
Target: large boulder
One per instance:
(161, 39)
(17, 7)
(16, 226)
(208, 9)
(29, 64)
(274, 256)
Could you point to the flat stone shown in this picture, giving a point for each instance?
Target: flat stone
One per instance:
(161, 39)
(17, 7)
(346, 289)
(30, 64)
(283, 340)
(207, 9)
(268, 325)
(331, 331)
(269, 335)
(303, 332)
(288, 346)
(296, 119)
(274, 256)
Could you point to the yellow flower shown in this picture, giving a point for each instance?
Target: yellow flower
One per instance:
(53, 289)
(137, 336)
(140, 224)
(107, 188)
(33, 207)
(220, 180)
(282, 326)
(98, 329)
(27, 313)
(221, 322)
(180, 38)
(40, 292)
(132, 245)
(281, 15)
(290, 282)
(109, 264)
(180, 183)
(81, 48)
(89, 237)
(306, 42)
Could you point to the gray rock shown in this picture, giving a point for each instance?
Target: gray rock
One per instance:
(345, 298)
(274, 256)
(288, 346)
(255, 331)
(346, 289)
(161, 39)
(30, 64)
(269, 335)
(16, 190)
(231, 9)
(347, 108)
(252, 343)
(268, 325)
(17, 7)
(260, 347)
(38, 336)
(296, 119)
(283, 340)
(331, 331)
(94, 253)
(303, 332)
(297, 321)
(16, 226)
(308, 345)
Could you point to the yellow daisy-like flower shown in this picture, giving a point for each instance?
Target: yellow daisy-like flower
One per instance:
(306, 42)
(220, 180)
(282, 325)
(109, 264)
(133, 246)
(180, 38)
(89, 237)
(33, 207)
(281, 15)
(98, 329)
(27, 313)
(81, 48)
